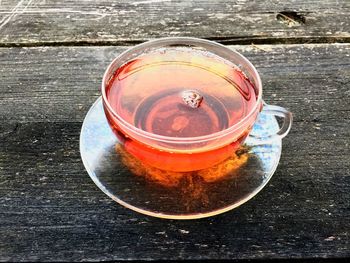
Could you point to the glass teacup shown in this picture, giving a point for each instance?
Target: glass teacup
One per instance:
(185, 104)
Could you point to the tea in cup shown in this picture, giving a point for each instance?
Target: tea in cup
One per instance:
(184, 104)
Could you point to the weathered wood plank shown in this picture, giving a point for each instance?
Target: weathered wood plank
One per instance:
(51, 210)
(59, 84)
(29, 22)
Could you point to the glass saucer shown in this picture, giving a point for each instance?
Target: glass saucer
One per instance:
(175, 195)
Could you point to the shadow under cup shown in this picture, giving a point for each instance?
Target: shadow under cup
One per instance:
(182, 154)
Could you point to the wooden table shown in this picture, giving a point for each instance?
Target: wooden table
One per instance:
(52, 57)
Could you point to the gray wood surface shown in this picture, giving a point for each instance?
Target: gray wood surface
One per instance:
(51, 210)
(66, 22)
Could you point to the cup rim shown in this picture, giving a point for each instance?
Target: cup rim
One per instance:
(180, 40)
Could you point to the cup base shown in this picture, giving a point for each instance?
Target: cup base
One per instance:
(176, 195)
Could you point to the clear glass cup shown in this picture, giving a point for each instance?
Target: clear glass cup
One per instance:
(183, 154)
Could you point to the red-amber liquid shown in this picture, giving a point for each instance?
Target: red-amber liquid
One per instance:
(147, 92)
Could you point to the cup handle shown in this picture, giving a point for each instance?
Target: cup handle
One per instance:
(284, 129)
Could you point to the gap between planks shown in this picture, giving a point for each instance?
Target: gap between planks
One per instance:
(225, 41)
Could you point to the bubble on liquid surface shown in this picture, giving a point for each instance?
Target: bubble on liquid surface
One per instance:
(192, 98)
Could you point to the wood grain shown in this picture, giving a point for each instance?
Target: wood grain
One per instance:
(66, 22)
(51, 210)
(59, 84)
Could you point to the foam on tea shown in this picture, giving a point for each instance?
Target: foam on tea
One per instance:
(180, 92)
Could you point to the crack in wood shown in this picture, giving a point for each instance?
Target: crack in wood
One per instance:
(291, 18)
(223, 40)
